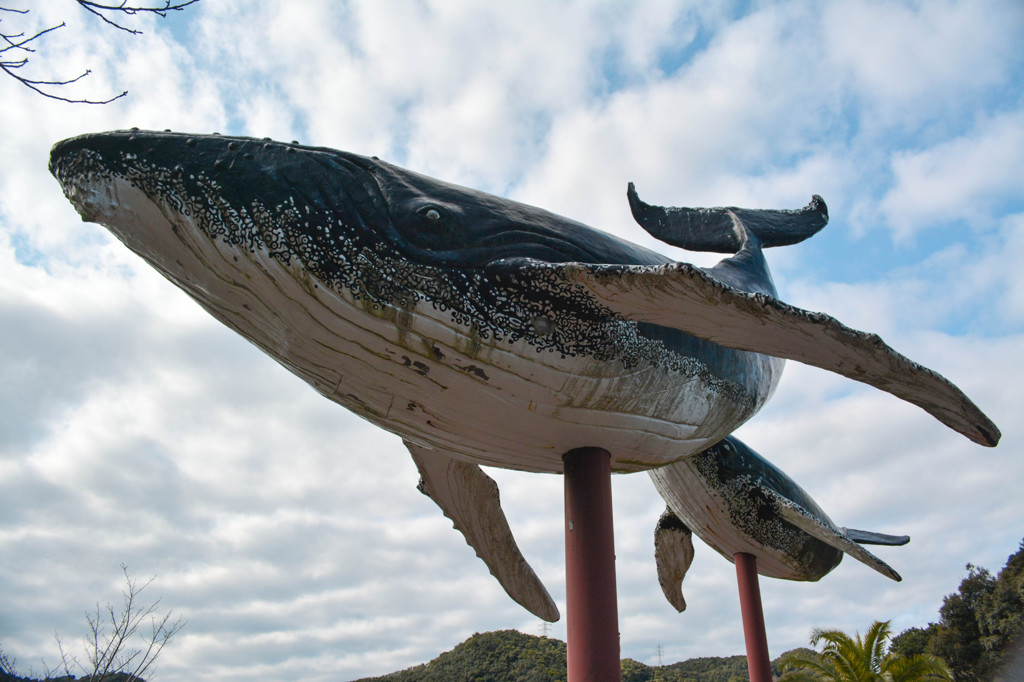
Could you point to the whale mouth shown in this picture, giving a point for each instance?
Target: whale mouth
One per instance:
(503, 247)
(536, 244)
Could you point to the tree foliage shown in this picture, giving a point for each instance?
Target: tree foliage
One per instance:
(856, 659)
(508, 655)
(958, 639)
(18, 47)
(912, 641)
(979, 624)
(492, 656)
(703, 669)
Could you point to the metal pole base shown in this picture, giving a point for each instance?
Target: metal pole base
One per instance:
(592, 612)
(759, 665)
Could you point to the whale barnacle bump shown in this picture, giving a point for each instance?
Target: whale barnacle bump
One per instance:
(542, 325)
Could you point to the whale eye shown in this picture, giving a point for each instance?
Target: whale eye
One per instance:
(430, 225)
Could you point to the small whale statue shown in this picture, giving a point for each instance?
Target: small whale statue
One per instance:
(483, 331)
(736, 501)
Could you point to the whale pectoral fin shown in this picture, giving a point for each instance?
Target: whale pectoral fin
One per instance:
(832, 536)
(867, 537)
(711, 229)
(673, 553)
(684, 297)
(469, 497)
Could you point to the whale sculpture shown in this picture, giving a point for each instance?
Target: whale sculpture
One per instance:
(487, 332)
(736, 501)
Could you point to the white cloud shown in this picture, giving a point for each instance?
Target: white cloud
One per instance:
(967, 178)
(1013, 278)
(920, 61)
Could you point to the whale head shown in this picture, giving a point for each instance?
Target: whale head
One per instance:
(312, 201)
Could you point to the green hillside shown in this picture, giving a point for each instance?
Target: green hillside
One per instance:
(500, 655)
(510, 655)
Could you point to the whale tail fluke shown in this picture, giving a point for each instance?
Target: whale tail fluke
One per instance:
(712, 229)
(867, 537)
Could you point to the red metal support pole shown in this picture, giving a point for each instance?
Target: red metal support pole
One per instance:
(592, 612)
(758, 663)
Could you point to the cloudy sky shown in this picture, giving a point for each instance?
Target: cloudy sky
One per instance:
(136, 430)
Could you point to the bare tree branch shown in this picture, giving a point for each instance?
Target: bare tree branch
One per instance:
(114, 645)
(98, 9)
(18, 42)
(6, 663)
(20, 45)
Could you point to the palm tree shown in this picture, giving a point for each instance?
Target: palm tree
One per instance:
(847, 659)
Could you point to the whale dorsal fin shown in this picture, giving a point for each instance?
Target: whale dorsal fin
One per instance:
(711, 229)
(684, 297)
(673, 553)
(469, 497)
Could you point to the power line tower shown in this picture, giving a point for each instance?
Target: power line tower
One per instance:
(659, 655)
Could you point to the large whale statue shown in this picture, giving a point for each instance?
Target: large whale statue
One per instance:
(483, 331)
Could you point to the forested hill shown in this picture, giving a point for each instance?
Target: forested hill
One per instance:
(980, 635)
(500, 655)
(512, 655)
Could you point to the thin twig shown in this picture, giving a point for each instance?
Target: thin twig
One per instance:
(18, 41)
(34, 85)
(22, 43)
(97, 9)
(110, 646)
